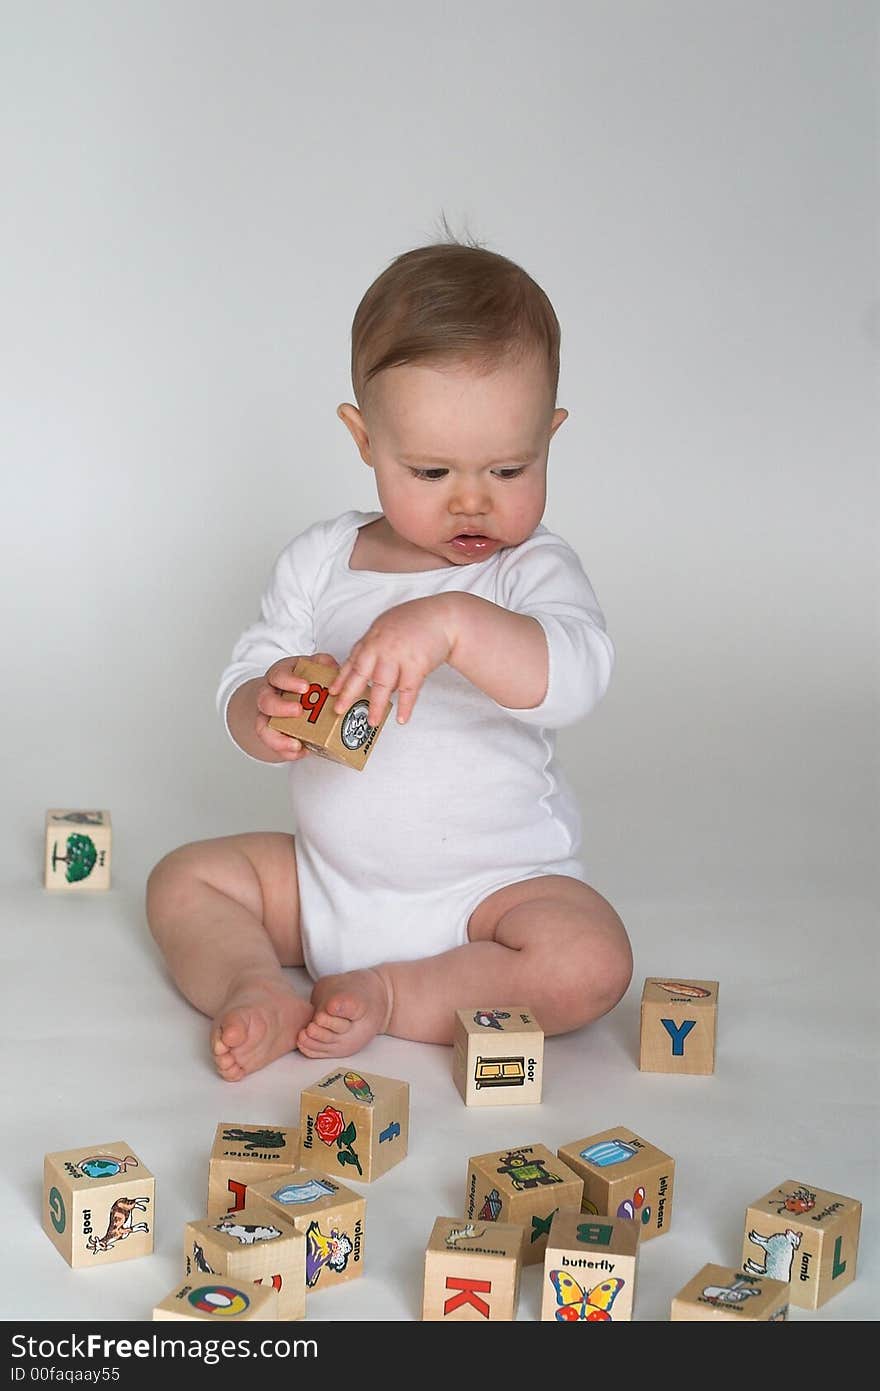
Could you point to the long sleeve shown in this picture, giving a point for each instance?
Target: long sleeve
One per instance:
(285, 626)
(544, 579)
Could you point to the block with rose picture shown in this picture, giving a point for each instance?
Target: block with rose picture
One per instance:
(354, 1126)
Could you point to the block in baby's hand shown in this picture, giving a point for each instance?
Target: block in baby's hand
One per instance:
(624, 1176)
(330, 1216)
(98, 1204)
(498, 1056)
(221, 1301)
(525, 1186)
(804, 1235)
(679, 1019)
(247, 1250)
(353, 1124)
(723, 1292)
(343, 738)
(77, 850)
(245, 1154)
(472, 1271)
(590, 1267)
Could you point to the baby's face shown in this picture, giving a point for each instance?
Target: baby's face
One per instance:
(460, 457)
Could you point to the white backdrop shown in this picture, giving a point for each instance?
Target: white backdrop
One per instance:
(195, 197)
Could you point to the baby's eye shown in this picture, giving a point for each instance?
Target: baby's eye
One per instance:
(431, 475)
(509, 472)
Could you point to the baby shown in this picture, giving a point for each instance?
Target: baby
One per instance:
(446, 874)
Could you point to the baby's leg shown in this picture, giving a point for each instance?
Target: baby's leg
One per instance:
(551, 943)
(225, 914)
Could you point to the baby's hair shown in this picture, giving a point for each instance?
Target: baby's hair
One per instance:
(451, 301)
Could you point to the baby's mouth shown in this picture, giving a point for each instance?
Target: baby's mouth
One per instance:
(471, 543)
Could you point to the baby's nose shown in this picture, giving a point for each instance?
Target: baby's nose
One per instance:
(469, 497)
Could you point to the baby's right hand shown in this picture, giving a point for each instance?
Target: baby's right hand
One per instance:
(271, 701)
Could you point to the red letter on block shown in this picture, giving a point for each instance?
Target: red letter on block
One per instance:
(468, 1295)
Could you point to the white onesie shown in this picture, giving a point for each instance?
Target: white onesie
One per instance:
(463, 799)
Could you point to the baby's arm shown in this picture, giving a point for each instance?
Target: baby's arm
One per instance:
(541, 652)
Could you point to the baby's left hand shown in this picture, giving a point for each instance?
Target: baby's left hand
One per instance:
(403, 646)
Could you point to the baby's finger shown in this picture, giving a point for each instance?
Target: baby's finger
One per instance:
(380, 698)
(353, 684)
(406, 699)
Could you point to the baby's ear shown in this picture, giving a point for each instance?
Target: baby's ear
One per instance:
(354, 421)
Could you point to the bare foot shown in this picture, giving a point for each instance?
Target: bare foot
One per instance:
(350, 1009)
(259, 1021)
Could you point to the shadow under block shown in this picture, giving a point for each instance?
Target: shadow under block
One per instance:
(98, 1204)
(498, 1056)
(221, 1301)
(354, 1124)
(590, 1268)
(723, 1292)
(472, 1271)
(245, 1154)
(806, 1235)
(78, 845)
(679, 1020)
(344, 738)
(331, 1217)
(624, 1176)
(525, 1186)
(245, 1250)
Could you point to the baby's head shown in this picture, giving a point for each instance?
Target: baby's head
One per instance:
(455, 366)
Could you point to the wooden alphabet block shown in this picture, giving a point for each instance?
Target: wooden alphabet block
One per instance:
(723, 1292)
(524, 1186)
(498, 1056)
(354, 1123)
(222, 1301)
(679, 1019)
(344, 738)
(244, 1154)
(245, 1250)
(624, 1176)
(77, 850)
(804, 1235)
(472, 1271)
(98, 1204)
(590, 1268)
(330, 1216)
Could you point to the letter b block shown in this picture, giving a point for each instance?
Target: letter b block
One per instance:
(344, 738)
(472, 1271)
(98, 1204)
(678, 1025)
(590, 1269)
(354, 1125)
(806, 1236)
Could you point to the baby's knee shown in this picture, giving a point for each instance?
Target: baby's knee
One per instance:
(172, 875)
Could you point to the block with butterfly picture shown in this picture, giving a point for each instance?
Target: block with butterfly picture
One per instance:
(590, 1266)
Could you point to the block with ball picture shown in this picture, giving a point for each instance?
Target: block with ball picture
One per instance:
(218, 1300)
